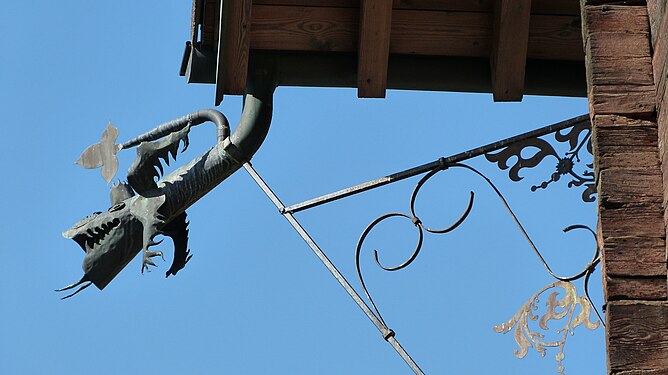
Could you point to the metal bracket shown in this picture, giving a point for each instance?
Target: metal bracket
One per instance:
(500, 153)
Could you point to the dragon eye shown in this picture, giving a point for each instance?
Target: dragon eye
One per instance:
(117, 207)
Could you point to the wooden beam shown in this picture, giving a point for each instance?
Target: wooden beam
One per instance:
(629, 154)
(510, 41)
(374, 48)
(564, 7)
(233, 47)
(637, 340)
(414, 32)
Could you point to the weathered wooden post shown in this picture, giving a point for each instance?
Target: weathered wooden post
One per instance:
(626, 72)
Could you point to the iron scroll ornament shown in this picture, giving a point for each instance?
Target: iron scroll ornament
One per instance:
(565, 165)
(557, 308)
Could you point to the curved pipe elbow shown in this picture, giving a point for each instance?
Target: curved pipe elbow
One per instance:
(256, 116)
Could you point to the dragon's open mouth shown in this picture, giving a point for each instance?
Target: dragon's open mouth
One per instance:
(88, 239)
(89, 233)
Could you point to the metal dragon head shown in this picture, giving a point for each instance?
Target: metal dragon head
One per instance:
(111, 239)
(106, 238)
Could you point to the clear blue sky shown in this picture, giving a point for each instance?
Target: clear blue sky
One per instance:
(254, 299)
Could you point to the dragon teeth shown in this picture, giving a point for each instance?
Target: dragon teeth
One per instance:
(89, 244)
(173, 150)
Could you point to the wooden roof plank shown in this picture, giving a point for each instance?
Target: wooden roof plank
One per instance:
(233, 47)
(374, 48)
(305, 28)
(434, 33)
(509, 48)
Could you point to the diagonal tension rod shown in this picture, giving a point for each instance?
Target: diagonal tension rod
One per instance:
(387, 333)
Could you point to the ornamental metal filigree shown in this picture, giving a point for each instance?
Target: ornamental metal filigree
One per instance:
(557, 309)
(564, 165)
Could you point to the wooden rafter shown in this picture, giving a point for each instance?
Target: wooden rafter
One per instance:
(509, 48)
(374, 48)
(233, 47)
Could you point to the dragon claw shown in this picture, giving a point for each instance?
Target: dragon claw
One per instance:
(186, 143)
(154, 243)
(147, 261)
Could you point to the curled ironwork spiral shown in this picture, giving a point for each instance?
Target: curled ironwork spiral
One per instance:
(420, 227)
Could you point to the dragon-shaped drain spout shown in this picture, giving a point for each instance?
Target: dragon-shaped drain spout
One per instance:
(144, 208)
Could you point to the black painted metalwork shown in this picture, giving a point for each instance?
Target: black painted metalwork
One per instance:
(564, 164)
(417, 222)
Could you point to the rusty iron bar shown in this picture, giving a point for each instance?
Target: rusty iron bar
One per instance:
(462, 156)
(384, 330)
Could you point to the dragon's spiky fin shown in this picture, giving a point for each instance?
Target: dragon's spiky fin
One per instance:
(177, 229)
(147, 166)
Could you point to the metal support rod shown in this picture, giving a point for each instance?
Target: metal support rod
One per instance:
(432, 165)
(387, 333)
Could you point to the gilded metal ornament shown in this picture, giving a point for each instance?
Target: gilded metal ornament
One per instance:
(566, 304)
(556, 308)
